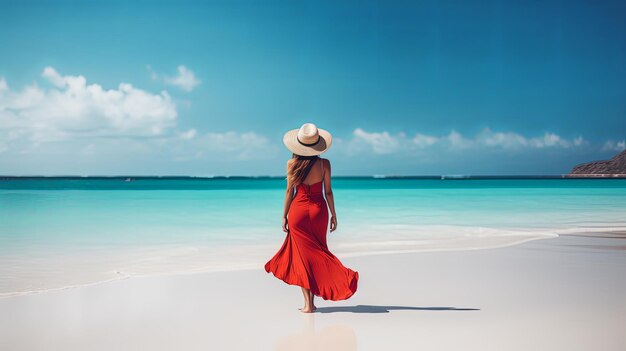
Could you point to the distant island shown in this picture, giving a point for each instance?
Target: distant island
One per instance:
(615, 167)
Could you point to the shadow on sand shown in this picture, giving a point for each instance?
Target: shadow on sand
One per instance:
(339, 337)
(386, 309)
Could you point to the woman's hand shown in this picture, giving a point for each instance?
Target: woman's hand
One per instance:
(333, 223)
(285, 225)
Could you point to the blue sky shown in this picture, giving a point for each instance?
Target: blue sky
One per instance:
(411, 87)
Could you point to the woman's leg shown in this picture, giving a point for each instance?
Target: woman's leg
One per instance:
(308, 301)
(307, 298)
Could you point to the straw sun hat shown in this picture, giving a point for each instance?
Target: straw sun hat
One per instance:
(308, 140)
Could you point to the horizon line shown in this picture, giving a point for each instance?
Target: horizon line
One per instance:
(374, 176)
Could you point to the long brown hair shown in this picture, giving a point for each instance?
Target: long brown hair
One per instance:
(298, 168)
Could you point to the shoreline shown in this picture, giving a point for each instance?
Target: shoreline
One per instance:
(598, 175)
(489, 242)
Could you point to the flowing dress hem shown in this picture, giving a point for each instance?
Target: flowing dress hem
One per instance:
(352, 287)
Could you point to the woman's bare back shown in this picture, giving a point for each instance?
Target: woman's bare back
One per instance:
(316, 174)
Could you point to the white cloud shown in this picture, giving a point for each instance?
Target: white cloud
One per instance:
(3, 85)
(386, 143)
(381, 143)
(55, 78)
(153, 74)
(457, 141)
(579, 141)
(549, 140)
(89, 124)
(185, 80)
(505, 140)
(422, 140)
(611, 145)
(73, 108)
(511, 140)
(226, 145)
(190, 134)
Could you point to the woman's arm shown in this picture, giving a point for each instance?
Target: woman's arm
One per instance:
(329, 196)
(288, 198)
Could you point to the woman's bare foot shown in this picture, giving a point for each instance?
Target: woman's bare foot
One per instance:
(306, 309)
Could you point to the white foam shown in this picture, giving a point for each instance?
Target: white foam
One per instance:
(193, 259)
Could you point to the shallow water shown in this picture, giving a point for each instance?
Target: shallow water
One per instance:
(56, 232)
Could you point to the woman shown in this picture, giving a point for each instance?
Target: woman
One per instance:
(304, 258)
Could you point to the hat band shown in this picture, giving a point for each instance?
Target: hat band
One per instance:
(311, 144)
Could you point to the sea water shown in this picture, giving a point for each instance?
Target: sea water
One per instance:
(62, 232)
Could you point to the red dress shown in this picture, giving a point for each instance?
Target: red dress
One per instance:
(304, 258)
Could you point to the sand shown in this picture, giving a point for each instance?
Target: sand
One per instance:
(564, 293)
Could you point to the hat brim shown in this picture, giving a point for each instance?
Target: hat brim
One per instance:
(290, 139)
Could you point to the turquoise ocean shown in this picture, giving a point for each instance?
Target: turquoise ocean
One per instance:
(57, 233)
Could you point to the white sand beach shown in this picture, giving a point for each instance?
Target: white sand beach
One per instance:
(564, 293)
